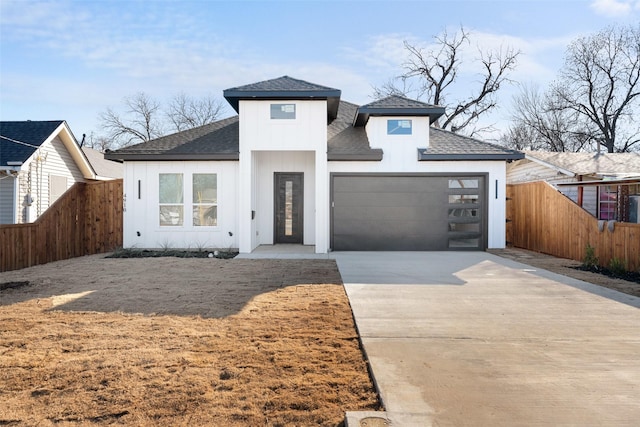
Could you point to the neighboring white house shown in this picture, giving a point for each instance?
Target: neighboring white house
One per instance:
(607, 185)
(39, 161)
(298, 165)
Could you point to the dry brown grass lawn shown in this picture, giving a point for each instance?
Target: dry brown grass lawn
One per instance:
(96, 341)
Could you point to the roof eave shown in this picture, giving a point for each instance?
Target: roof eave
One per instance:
(627, 181)
(332, 96)
(132, 157)
(363, 113)
(422, 156)
(375, 155)
(549, 165)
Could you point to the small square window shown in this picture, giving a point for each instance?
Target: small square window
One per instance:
(283, 111)
(398, 127)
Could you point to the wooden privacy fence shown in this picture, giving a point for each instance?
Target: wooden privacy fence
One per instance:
(85, 220)
(542, 219)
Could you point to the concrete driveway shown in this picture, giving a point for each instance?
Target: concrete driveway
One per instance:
(472, 339)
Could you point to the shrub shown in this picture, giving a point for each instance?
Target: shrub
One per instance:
(617, 266)
(590, 260)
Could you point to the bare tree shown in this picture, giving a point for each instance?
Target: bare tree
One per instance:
(141, 123)
(437, 71)
(520, 137)
(186, 113)
(600, 81)
(145, 119)
(537, 124)
(100, 143)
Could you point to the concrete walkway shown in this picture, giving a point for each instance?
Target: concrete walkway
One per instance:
(472, 339)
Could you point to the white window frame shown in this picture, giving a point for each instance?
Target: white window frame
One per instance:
(195, 204)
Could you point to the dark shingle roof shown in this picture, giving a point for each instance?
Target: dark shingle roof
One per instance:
(445, 145)
(30, 132)
(397, 102)
(214, 141)
(282, 84)
(285, 87)
(396, 105)
(346, 142)
(346, 136)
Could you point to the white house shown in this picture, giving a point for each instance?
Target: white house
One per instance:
(39, 161)
(298, 165)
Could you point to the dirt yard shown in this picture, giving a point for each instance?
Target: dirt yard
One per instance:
(565, 267)
(170, 341)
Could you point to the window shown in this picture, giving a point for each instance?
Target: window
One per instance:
(463, 198)
(171, 199)
(57, 186)
(464, 212)
(283, 111)
(463, 183)
(205, 200)
(608, 199)
(398, 127)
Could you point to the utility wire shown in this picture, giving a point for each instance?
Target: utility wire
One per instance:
(19, 142)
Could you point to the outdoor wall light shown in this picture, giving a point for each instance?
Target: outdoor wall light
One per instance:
(138, 233)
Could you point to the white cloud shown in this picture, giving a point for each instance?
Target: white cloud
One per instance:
(615, 8)
(384, 52)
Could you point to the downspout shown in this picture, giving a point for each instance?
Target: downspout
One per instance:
(16, 198)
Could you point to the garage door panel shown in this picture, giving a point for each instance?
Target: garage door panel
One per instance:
(391, 213)
(388, 199)
(385, 184)
(412, 212)
(373, 238)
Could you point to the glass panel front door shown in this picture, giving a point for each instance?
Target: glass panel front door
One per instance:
(288, 207)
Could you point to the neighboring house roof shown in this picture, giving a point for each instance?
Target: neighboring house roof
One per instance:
(24, 132)
(283, 88)
(105, 169)
(395, 105)
(446, 145)
(618, 165)
(19, 140)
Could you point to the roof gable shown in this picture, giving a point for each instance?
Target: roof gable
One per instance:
(28, 136)
(396, 105)
(284, 88)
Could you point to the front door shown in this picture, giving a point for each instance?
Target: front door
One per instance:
(288, 207)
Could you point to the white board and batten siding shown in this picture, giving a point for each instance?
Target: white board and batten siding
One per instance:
(268, 163)
(268, 145)
(142, 227)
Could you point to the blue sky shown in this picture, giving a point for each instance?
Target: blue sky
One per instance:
(72, 59)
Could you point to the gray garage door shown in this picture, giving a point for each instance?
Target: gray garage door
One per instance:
(374, 212)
